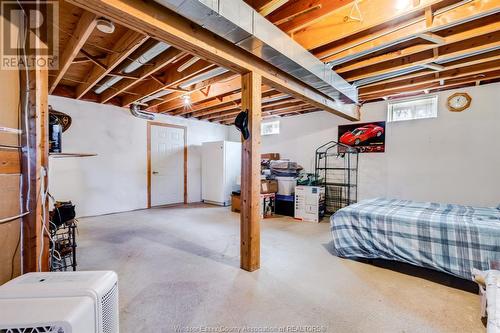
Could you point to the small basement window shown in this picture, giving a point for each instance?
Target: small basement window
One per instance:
(410, 109)
(269, 128)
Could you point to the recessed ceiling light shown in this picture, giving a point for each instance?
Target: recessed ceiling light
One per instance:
(105, 25)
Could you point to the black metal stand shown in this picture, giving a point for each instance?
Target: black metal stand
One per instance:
(336, 166)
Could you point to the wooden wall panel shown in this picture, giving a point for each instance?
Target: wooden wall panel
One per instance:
(9, 176)
(10, 161)
(9, 232)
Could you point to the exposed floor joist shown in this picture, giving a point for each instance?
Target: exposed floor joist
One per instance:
(168, 27)
(385, 53)
(85, 26)
(127, 44)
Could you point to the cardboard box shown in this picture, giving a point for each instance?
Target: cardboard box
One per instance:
(235, 202)
(309, 203)
(268, 186)
(267, 205)
(270, 156)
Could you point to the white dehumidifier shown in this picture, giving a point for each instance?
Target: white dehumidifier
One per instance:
(60, 302)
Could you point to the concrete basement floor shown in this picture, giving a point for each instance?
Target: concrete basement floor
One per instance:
(179, 268)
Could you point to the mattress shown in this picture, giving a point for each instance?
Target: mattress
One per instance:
(449, 238)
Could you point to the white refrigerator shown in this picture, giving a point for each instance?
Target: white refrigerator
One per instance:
(220, 171)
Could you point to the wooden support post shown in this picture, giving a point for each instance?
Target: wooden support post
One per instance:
(250, 174)
(35, 136)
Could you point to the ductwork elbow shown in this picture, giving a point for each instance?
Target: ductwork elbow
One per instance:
(137, 112)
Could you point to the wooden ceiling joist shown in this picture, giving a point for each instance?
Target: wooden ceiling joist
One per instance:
(215, 114)
(335, 27)
(158, 63)
(388, 36)
(476, 69)
(217, 89)
(274, 113)
(485, 27)
(300, 14)
(171, 77)
(470, 61)
(266, 7)
(164, 25)
(221, 103)
(446, 53)
(487, 75)
(426, 45)
(123, 47)
(82, 32)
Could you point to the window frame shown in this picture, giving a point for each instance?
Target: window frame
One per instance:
(263, 124)
(391, 104)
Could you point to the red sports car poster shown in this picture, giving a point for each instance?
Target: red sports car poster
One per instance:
(367, 137)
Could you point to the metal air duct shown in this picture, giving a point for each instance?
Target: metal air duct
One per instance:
(240, 24)
(137, 112)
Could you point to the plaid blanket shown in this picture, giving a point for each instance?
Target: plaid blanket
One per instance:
(449, 238)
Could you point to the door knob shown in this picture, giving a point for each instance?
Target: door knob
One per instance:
(155, 172)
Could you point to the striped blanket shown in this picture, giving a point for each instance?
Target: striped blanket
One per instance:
(449, 238)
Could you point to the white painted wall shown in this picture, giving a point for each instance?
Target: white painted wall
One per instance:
(454, 158)
(116, 179)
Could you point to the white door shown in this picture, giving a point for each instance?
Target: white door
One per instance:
(167, 165)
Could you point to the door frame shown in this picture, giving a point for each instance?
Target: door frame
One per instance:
(154, 123)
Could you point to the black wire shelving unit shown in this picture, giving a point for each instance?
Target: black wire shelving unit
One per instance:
(63, 246)
(336, 168)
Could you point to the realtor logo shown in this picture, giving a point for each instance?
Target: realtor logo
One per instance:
(29, 35)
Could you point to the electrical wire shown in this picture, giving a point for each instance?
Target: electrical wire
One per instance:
(23, 106)
(14, 257)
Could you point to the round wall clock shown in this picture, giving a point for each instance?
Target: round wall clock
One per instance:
(459, 102)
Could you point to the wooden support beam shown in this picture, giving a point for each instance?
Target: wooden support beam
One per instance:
(169, 56)
(299, 14)
(161, 23)
(93, 59)
(432, 37)
(82, 32)
(123, 47)
(250, 174)
(271, 6)
(429, 16)
(37, 141)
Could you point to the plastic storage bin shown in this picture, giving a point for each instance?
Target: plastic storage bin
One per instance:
(286, 185)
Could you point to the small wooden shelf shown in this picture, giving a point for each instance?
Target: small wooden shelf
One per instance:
(66, 155)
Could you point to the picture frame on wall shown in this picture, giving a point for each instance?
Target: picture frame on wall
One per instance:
(365, 137)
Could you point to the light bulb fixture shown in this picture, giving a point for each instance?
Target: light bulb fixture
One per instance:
(402, 4)
(186, 100)
(105, 25)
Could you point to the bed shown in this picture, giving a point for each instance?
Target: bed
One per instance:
(450, 238)
(489, 289)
